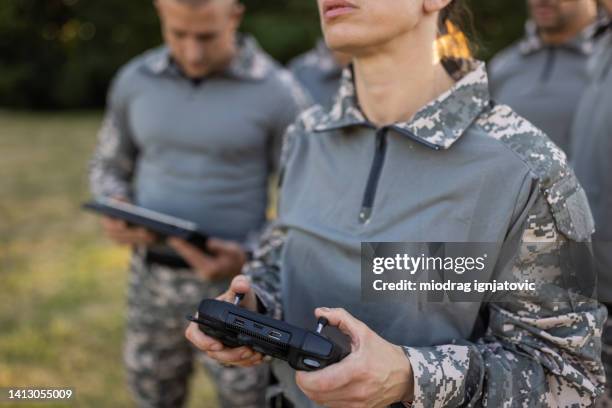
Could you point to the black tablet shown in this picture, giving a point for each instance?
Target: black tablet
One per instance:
(161, 224)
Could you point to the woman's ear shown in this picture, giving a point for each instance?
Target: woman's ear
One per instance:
(434, 6)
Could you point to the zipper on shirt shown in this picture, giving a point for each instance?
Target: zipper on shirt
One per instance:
(374, 177)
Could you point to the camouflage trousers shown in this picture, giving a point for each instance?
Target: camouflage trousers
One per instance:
(605, 401)
(159, 359)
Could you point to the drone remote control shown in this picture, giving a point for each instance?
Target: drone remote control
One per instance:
(234, 326)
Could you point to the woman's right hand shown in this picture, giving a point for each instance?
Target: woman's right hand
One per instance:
(239, 356)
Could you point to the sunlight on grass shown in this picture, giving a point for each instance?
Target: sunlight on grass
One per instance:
(62, 286)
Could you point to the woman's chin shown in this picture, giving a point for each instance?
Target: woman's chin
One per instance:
(356, 40)
(345, 42)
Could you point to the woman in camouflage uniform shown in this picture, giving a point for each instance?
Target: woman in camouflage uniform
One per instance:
(414, 150)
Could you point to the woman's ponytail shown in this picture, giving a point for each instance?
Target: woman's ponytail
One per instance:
(453, 42)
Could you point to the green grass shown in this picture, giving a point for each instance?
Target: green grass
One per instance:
(62, 286)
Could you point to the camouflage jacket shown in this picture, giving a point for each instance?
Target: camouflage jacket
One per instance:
(462, 169)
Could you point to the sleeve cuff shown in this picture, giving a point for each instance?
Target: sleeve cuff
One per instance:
(444, 375)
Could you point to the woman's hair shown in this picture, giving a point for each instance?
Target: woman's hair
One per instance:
(455, 27)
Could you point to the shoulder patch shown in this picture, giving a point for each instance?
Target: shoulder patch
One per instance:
(565, 196)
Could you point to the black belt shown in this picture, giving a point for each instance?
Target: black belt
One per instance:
(171, 260)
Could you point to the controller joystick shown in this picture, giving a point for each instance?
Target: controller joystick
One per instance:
(238, 298)
(321, 323)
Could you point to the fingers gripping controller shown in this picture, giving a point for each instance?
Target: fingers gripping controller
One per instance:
(234, 326)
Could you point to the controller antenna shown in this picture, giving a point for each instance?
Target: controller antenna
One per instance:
(238, 298)
(321, 323)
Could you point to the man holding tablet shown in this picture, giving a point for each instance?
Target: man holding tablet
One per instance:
(192, 130)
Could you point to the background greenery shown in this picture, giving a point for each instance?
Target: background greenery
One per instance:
(62, 286)
(59, 54)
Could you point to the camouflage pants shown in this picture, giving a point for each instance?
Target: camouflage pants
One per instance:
(159, 359)
(606, 400)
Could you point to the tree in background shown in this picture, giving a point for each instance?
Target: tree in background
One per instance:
(59, 54)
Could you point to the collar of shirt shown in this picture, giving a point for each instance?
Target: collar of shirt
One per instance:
(250, 62)
(584, 42)
(326, 61)
(437, 125)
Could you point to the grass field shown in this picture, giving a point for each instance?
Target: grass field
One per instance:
(62, 286)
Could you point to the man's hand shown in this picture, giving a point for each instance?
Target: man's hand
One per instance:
(119, 232)
(225, 260)
(375, 374)
(240, 356)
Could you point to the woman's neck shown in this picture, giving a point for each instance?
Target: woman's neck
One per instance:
(398, 78)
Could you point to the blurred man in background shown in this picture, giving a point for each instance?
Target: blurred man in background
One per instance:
(591, 152)
(543, 75)
(192, 129)
(319, 71)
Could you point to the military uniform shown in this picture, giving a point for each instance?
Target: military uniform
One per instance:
(319, 74)
(461, 170)
(543, 83)
(203, 151)
(590, 151)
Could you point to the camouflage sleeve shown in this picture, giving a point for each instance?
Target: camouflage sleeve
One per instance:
(540, 349)
(112, 165)
(264, 270)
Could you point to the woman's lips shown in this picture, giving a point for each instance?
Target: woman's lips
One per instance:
(340, 11)
(336, 8)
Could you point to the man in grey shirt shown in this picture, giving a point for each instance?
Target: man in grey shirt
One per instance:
(192, 129)
(319, 72)
(543, 75)
(591, 151)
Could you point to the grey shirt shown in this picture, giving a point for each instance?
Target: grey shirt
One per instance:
(319, 74)
(461, 170)
(591, 152)
(201, 151)
(543, 83)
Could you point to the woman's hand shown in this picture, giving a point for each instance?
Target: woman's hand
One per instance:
(375, 374)
(225, 258)
(240, 356)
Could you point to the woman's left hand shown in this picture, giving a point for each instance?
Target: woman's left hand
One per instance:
(375, 374)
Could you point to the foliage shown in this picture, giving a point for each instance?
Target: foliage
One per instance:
(62, 285)
(62, 53)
